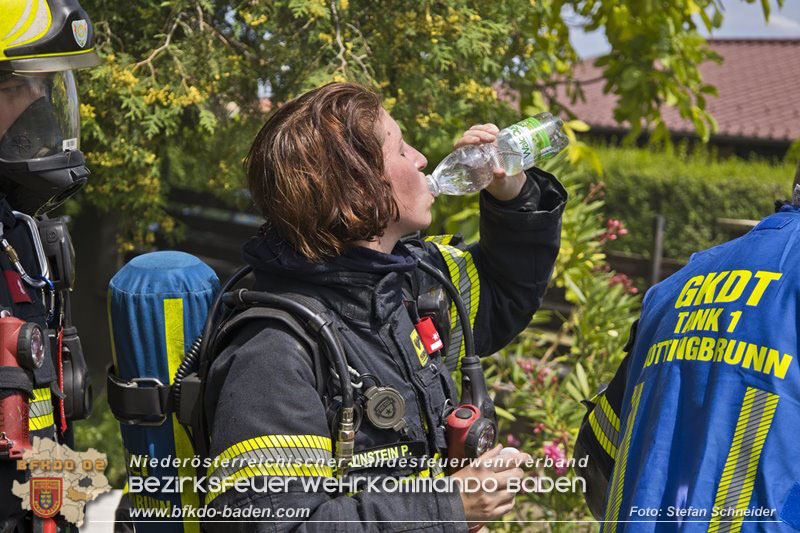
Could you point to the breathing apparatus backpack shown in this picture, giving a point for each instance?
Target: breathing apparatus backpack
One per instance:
(163, 305)
(163, 308)
(157, 306)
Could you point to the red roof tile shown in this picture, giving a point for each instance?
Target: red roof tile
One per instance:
(758, 85)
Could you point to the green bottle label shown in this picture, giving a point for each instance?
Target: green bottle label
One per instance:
(533, 141)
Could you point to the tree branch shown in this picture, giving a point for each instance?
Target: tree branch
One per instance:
(342, 49)
(157, 51)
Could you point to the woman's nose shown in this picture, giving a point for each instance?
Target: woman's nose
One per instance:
(421, 162)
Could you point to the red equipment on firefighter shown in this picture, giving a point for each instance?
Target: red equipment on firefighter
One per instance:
(22, 346)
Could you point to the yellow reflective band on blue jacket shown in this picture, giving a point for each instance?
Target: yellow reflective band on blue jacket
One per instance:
(738, 477)
(272, 456)
(464, 276)
(41, 410)
(605, 425)
(618, 476)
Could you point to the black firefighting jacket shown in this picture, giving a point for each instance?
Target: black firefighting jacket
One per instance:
(261, 398)
(25, 303)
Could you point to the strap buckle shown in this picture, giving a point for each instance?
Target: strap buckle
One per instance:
(142, 401)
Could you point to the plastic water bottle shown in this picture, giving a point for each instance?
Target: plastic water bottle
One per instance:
(517, 148)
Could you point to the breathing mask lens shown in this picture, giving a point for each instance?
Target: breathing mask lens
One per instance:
(38, 115)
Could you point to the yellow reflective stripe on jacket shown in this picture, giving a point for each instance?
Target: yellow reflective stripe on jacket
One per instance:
(464, 276)
(269, 471)
(739, 474)
(605, 425)
(277, 446)
(272, 455)
(618, 476)
(41, 410)
(40, 395)
(611, 416)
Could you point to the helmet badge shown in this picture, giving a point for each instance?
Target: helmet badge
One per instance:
(80, 30)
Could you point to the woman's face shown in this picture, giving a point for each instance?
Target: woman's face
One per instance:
(403, 165)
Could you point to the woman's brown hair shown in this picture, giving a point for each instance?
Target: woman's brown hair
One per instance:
(316, 171)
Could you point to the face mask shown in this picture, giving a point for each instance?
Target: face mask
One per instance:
(34, 134)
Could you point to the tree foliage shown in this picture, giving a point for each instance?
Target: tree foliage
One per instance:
(175, 101)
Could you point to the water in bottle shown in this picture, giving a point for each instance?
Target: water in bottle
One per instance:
(519, 147)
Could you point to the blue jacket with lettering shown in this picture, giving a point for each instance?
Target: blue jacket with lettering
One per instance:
(706, 437)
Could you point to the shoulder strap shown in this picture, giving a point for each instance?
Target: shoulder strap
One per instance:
(296, 327)
(232, 324)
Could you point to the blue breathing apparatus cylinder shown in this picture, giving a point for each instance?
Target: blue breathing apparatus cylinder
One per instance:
(157, 307)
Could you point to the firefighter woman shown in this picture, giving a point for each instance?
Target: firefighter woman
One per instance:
(41, 42)
(340, 189)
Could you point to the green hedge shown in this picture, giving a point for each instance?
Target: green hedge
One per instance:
(691, 191)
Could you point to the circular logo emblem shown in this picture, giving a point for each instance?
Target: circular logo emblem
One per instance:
(385, 407)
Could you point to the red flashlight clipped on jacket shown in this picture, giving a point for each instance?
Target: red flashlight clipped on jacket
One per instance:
(471, 427)
(21, 348)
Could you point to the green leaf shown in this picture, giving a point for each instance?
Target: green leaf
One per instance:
(578, 125)
(574, 393)
(505, 414)
(574, 288)
(766, 8)
(707, 22)
(717, 19)
(580, 374)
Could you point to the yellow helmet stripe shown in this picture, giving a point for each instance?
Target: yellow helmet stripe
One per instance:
(16, 15)
(57, 54)
(31, 26)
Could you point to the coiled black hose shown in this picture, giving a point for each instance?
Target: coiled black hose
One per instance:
(187, 366)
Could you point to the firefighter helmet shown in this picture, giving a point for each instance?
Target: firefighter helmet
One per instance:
(41, 41)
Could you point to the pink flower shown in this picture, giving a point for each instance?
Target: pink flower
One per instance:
(538, 428)
(625, 281)
(542, 375)
(525, 364)
(556, 453)
(614, 230)
(513, 441)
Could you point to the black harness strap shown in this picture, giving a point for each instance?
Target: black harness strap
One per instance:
(297, 329)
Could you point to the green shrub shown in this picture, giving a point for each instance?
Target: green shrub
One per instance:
(691, 191)
(540, 379)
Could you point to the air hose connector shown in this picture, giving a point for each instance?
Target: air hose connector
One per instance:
(345, 439)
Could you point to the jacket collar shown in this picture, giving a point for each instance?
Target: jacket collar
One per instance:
(361, 284)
